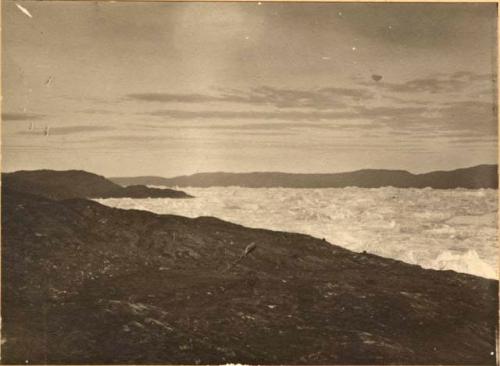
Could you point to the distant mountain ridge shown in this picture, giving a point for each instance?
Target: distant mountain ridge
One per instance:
(481, 176)
(78, 184)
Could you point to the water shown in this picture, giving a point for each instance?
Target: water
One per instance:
(440, 229)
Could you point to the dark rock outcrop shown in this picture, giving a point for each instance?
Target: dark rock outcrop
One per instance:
(85, 283)
(481, 176)
(78, 184)
(140, 191)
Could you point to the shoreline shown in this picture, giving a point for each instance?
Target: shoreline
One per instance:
(401, 228)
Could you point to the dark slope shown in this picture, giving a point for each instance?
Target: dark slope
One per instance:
(482, 176)
(78, 184)
(85, 283)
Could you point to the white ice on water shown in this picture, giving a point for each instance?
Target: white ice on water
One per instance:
(439, 229)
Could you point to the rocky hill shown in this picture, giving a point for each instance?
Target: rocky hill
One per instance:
(481, 176)
(85, 283)
(79, 184)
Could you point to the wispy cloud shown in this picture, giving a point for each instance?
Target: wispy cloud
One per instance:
(136, 138)
(323, 98)
(416, 91)
(389, 112)
(248, 128)
(99, 111)
(68, 130)
(471, 76)
(21, 116)
(470, 116)
(473, 140)
(462, 118)
(173, 98)
(439, 83)
(256, 115)
(429, 85)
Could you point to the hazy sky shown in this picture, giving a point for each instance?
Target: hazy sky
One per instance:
(177, 88)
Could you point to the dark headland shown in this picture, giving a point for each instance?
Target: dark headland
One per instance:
(79, 184)
(89, 284)
(481, 176)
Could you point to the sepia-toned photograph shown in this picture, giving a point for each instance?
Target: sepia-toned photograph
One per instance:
(248, 183)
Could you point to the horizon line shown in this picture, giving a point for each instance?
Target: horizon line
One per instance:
(256, 172)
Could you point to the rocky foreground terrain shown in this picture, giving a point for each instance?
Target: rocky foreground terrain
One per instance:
(85, 283)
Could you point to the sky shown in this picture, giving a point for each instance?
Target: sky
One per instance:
(166, 89)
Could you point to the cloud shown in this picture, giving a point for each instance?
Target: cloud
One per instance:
(429, 85)
(262, 133)
(173, 98)
(421, 105)
(136, 138)
(324, 98)
(67, 130)
(471, 76)
(438, 83)
(332, 101)
(474, 140)
(266, 115)
(389, 112)
(99, 111)
(471, 116)
(463, 118)
(249, 127)
(21, 116)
